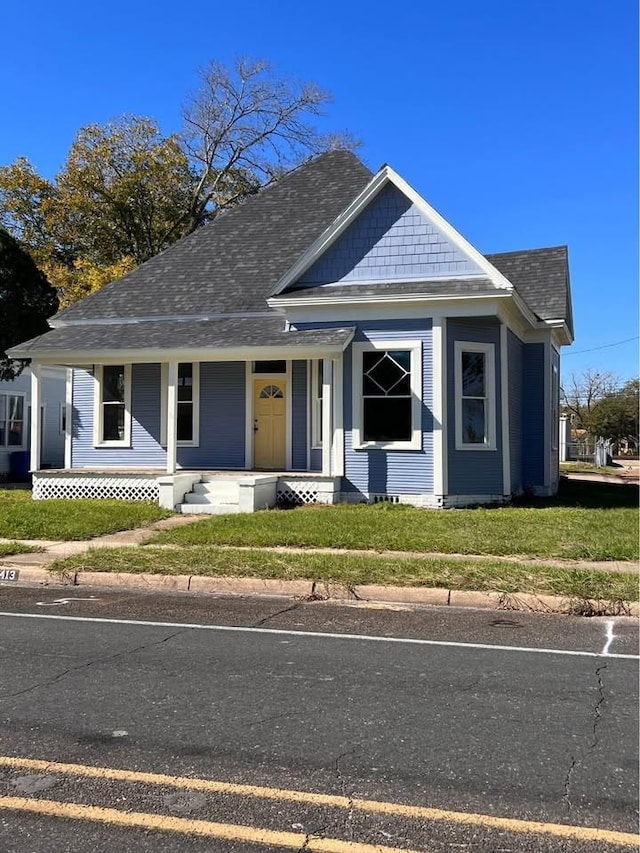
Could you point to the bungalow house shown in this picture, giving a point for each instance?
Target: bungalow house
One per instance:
(331, 339)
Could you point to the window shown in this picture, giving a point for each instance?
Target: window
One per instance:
(555, 406)
(269, 366)
(188, 404)
(316, 403)
(62, 419)
(387, 382)
(475, 396)
(113, 405)
(12, 425)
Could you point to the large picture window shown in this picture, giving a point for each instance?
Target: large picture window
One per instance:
(475, 396)
(12, 425)
(387, 383)
(113, 405)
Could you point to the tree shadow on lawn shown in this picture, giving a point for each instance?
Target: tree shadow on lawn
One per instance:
(588, 494)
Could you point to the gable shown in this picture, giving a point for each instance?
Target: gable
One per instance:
(390, 240)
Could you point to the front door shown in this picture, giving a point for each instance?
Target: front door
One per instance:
(269, 424)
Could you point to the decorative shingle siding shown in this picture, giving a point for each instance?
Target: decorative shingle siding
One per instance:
(533, 415)
(515, 410)
(299, 415)
(145, 450)
(473, 472)
(391, 239)
(222, 418)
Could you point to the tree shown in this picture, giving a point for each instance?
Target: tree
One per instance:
(126, 191)
(582, 394)
(616, 416)
(26, 301)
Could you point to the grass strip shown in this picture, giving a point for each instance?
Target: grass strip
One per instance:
(353, 570)
(8, 549)
(564, 532)
(23, 518)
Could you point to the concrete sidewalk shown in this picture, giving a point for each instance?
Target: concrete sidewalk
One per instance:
(33, 569)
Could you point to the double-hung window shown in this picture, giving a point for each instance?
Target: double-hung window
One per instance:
(387, 400)
(12, 425)
(475, 396)
(188, 404)
(113, 405)
(316, 402)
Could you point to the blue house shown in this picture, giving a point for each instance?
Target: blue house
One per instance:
(331, 339)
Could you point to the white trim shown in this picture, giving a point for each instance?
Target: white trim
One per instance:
(439, 403)
(504, 401)
(309, 412)
(248, 424)
(5, 392)
(338, 420)
(56, 323)
(490, 394)
(555, 406)
(327, 415)
(36, 417)
(288, 416)
(381, 179)
(68, 436)
(98, 413)
(195, 441)
(382, 299)
(315, 416)
(172, 417)
(547, 414)
(251, 378)
(415, 347)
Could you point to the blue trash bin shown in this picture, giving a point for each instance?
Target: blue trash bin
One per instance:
(19, 466)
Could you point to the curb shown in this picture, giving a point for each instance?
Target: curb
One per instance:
(327, 591)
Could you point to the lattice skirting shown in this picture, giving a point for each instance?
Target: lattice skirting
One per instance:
(104, 487)
(298, 492)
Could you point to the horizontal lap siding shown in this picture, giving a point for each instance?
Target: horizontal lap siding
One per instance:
(145, 450)
(515, 411)
(473, 472)
(222, 418)
(533, 416)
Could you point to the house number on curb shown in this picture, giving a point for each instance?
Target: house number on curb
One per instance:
(9, 574)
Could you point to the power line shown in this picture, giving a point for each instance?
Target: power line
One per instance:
(604, 346)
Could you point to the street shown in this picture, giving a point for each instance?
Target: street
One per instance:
(137, 721)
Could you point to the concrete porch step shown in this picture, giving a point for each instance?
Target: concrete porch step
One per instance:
(224, 490)
(208, 509)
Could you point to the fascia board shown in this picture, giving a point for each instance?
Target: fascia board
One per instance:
(418, 298)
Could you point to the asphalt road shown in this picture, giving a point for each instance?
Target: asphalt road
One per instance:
(490, 722)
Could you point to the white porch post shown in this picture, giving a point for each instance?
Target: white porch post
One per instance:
(327, 416)
(172, 416)
(338, 420)
(36, 423)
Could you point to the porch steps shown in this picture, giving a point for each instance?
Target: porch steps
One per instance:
(213, 496)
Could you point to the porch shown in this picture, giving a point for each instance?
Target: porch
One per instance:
(207, 492)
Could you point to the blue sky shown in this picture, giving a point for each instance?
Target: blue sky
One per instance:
(517, 121)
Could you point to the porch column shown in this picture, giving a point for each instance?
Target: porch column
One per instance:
(327, 416)
(36, 424)
(338, 418)
(172, 416)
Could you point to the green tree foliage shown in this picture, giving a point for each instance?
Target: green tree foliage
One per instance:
(126, 191)
(26, 301)
(616, 416)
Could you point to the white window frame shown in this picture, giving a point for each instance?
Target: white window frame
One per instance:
(98, 412)
(555, 407)
(489, 351)
(25, 407)
(195, 376)
(316, 405)
(415, 349)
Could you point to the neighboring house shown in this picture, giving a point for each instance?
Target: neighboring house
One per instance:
(331, 339)
(15, 415)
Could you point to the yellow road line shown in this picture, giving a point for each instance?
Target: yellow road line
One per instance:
(583, 833)
(184, 826)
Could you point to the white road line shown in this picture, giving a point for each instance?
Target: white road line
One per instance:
(610, 637)
(311, 635)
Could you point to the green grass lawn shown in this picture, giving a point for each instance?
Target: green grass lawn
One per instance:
(351, 570)
(8, 549)
(23, 518)
(552, 529)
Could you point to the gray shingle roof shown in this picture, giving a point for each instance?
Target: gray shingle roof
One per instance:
(230, 264)
(154, 335)
(541, 277)
(448, 287)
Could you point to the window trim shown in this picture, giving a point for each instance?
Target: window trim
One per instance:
(415, 349)
(316, 404)
(25, 422)
(164, 378)
(489, 351)
(555, 407)
(98, 412)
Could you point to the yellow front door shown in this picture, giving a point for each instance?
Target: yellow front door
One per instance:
(269, 424)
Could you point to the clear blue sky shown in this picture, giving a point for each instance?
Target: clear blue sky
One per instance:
(516, 120)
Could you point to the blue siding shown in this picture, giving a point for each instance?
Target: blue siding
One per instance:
(222, 418)
(515, 411)
(299, 415)
(390, 240)
(145, 450)
(473, 472)
(533, 415)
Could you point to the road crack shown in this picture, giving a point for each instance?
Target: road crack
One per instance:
(348, 796)
(50, 681)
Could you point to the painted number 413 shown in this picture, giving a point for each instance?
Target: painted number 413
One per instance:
(9, 574)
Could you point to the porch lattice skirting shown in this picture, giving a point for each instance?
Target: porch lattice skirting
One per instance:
(128, 487)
